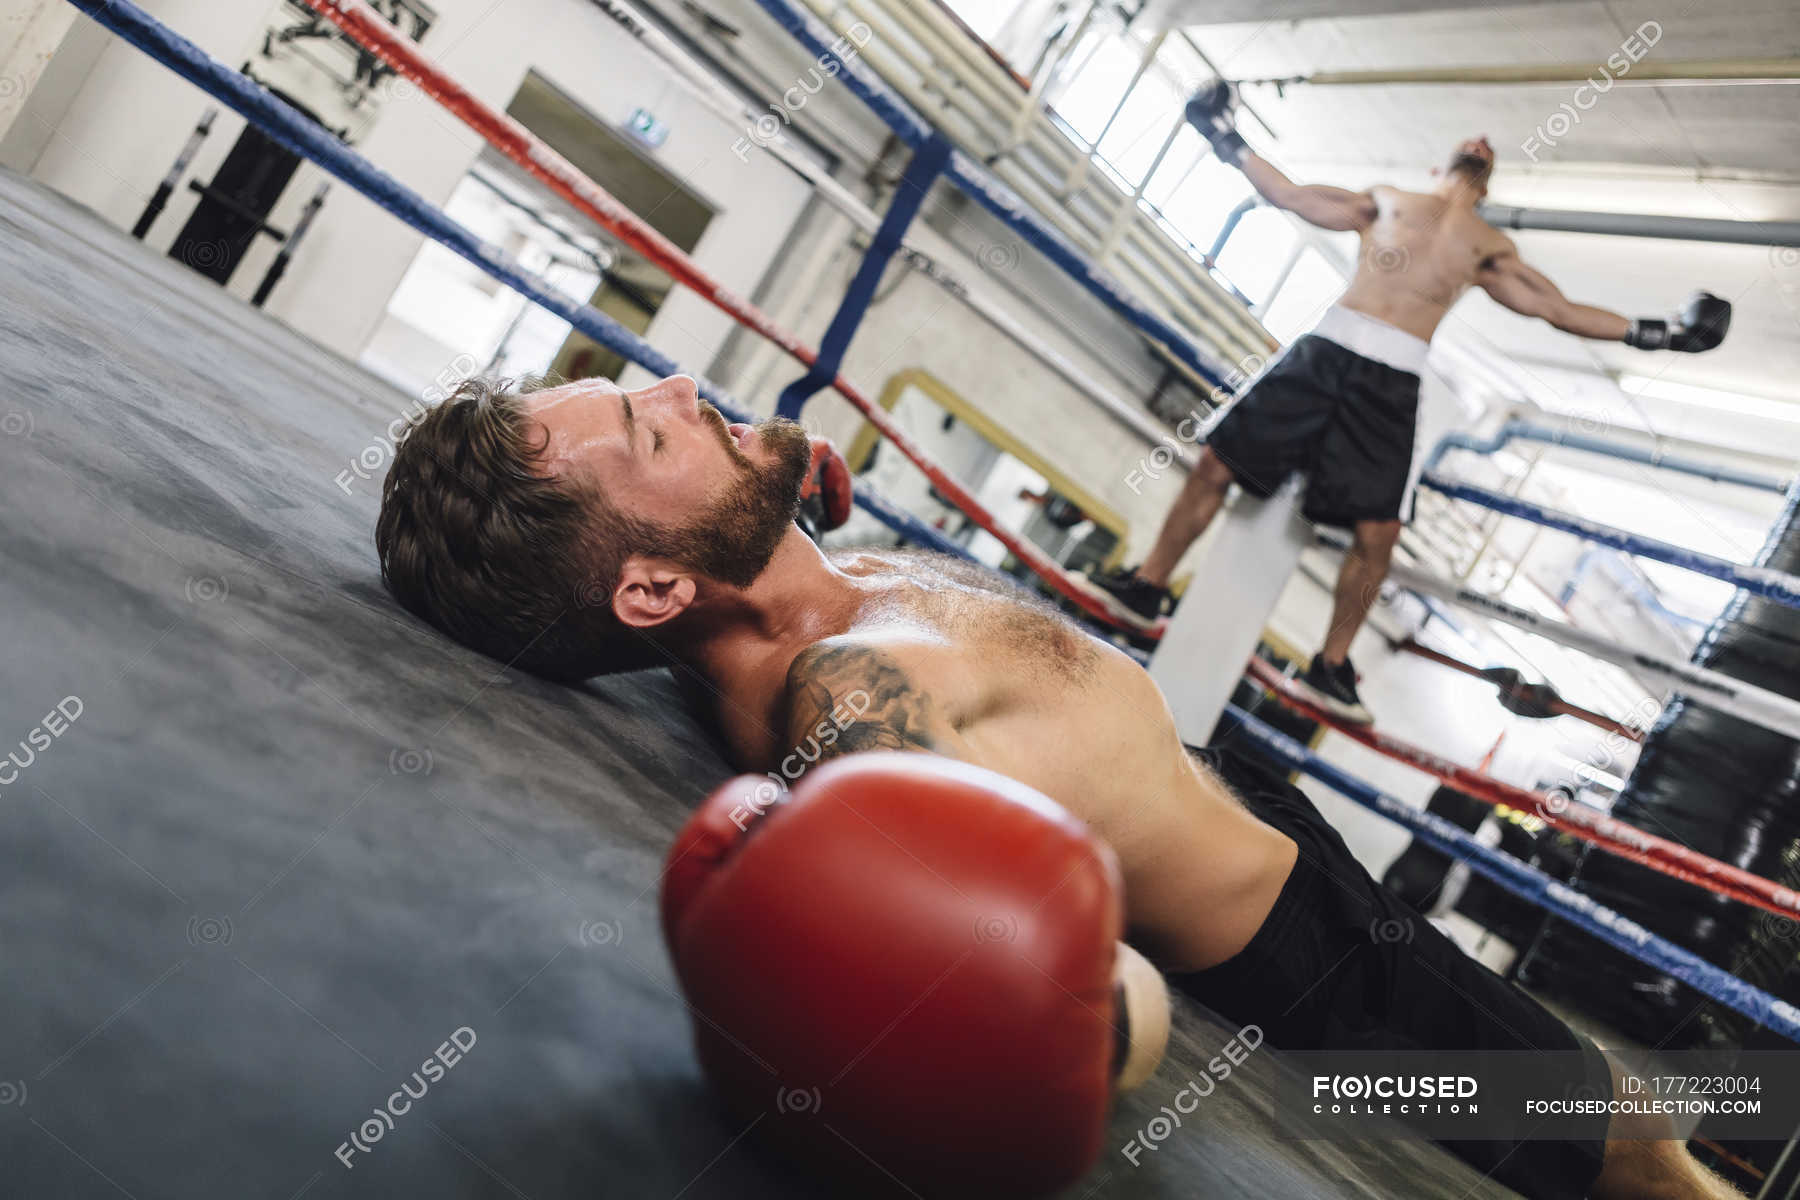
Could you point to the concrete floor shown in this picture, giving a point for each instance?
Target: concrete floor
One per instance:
(293, 841)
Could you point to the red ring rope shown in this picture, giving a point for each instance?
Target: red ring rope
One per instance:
(1576, 819)
(1562, 707)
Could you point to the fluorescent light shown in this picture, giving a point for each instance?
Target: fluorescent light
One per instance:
(1605, 779)
(1588, 771)
(1714, 399)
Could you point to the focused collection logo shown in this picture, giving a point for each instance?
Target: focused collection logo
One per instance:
(1395, 1095)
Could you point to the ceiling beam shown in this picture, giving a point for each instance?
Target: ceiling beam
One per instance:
(1165, 14)
(1708, 71)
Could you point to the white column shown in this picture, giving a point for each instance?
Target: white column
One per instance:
(30, 32)
(1238, 575)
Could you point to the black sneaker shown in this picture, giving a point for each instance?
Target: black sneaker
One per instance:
(1334, 690)
(1142, 597)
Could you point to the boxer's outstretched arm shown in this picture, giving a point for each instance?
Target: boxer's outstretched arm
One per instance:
(1334, 208)
(846, 696)
(1507, 278)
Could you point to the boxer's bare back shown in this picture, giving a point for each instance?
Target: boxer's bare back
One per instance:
(952, 661)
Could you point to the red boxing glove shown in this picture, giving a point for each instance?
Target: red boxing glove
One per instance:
(915, 952)
(826, 494)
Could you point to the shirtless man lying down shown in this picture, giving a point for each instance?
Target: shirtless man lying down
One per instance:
(580, 530)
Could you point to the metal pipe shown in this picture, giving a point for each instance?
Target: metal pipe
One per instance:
(1128, 209)
(889, 100)
(1618, 568)
(1213, 314)
(1135, 259)
(1180, 260)
(1178, 263)
(935, 24)
(1231, 223)
(1698, 71)
(1238, 328)
(978, 99)
(1780, 586)
(954, 109)
(1515, 487)
(1228, 324)
(980, 107)
(1045, 74)
(1526, 431)
(1685, 229)
(1078, 174)
(1212, 66)
(1261, 307)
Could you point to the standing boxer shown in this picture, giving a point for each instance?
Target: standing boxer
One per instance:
(1341, 403)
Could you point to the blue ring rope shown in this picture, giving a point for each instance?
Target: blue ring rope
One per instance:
(988, 191)
(923, 171)
(1528, 882)
(311, 141)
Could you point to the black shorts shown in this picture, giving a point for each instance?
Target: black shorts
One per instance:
(1323, 973)
(1345, 420)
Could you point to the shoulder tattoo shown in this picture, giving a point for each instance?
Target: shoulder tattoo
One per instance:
(845, 699)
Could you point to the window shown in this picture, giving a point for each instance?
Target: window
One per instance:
(1257, 251)
(1138, 131)
(1309, 290)
(1106, 62)
(985, 17)
(1198, 207)
(1183, 156)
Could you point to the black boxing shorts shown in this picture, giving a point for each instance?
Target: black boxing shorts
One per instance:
(1318, 975)
(1341, 405)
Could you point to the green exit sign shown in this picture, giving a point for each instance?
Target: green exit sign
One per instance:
(647, 129)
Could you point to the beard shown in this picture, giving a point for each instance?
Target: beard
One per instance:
(1474, 166)
(735, 538)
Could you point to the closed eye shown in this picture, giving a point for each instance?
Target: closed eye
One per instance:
(656, 444)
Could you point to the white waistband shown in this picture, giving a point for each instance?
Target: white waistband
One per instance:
(1365, 335)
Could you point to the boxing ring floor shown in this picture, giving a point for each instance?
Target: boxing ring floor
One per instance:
(292, 841)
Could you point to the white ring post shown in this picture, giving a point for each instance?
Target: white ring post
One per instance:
(1238, 577)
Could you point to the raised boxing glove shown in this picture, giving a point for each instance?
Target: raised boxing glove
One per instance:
(826, 493)
(1213, 112)
(1699, 326)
